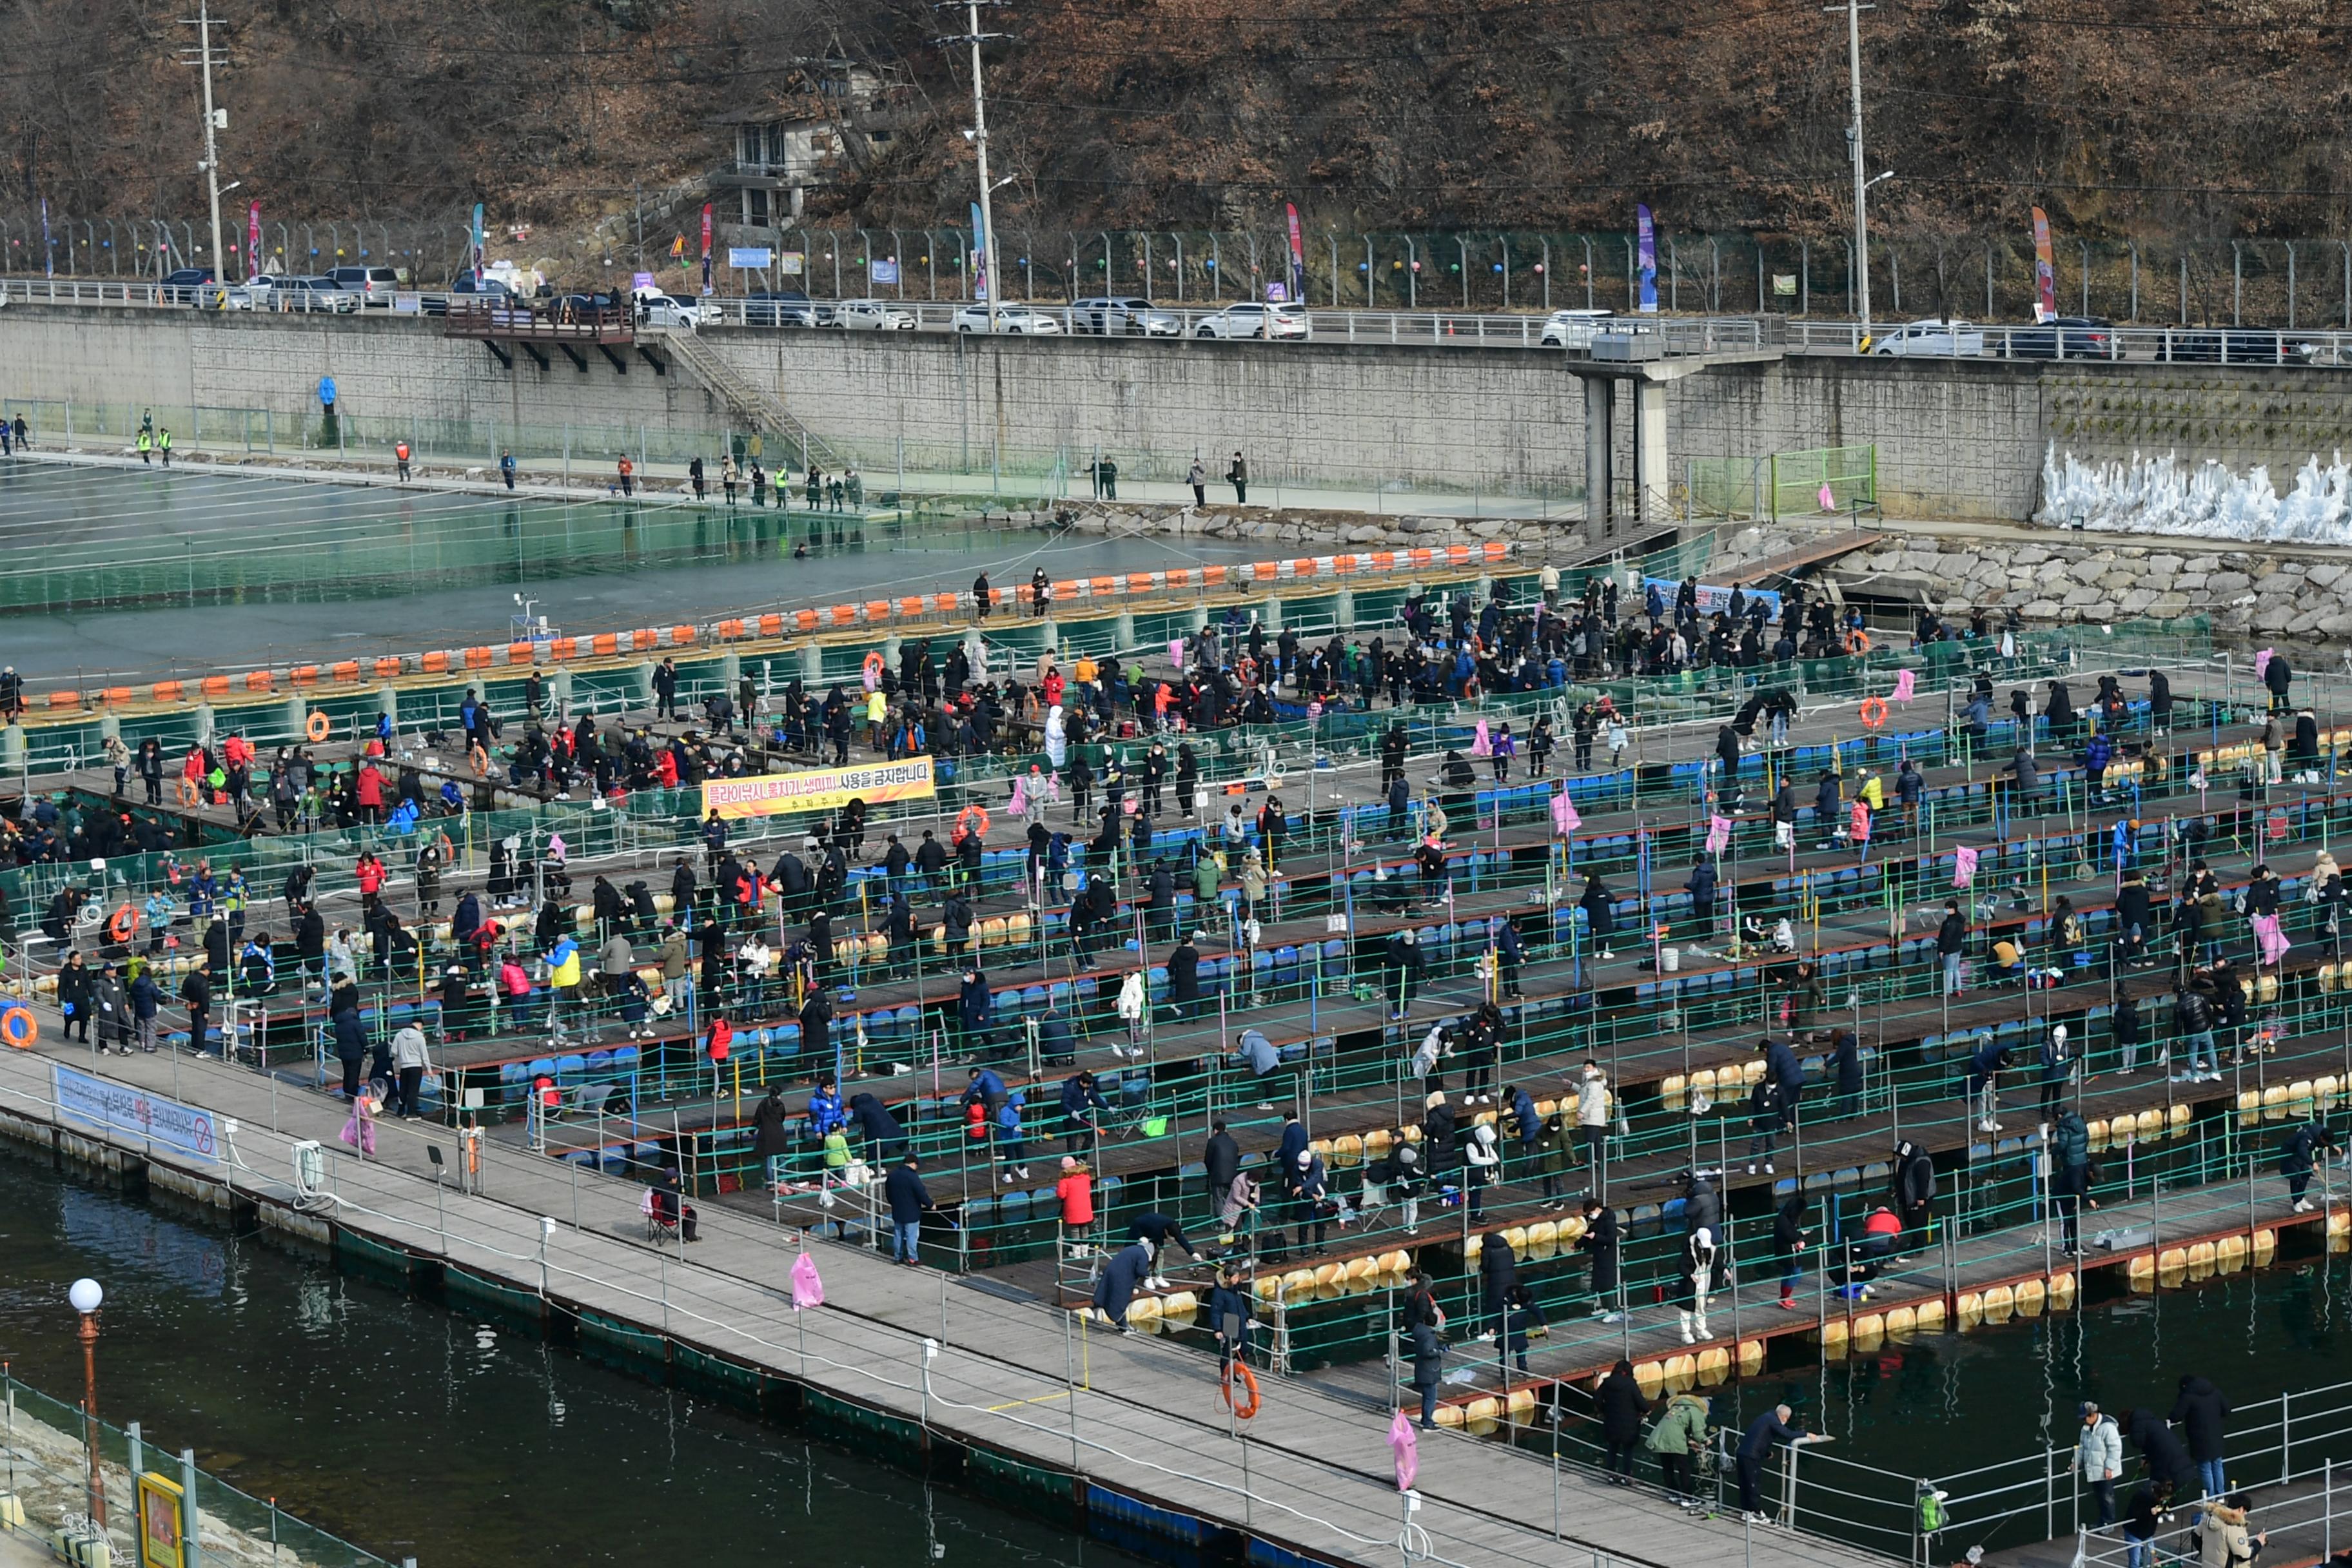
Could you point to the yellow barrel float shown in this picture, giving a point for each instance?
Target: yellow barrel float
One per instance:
(2249, 1106)
(1751, 1355)
(2200, 1259)
(1971, 1309)
(1682, 1370)
(2265, 1245)
(1902, 1322)
(2178, 1120)
(1673, 1090)
(1648, 1376)
(2230, 1253)
(2031, 1297)
(1714, 1364)
(1999, 1304)
(1869, 1331)
(2061, 1291)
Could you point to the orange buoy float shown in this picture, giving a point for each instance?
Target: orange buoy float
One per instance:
(1874, 712)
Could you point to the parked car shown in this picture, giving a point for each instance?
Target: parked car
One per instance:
(873, 316)
(669, 311)
(1577, 329)
(2238, 345)
(1248, 319)
(181, 287)
(1945, 338)
(1125, 316)
(312, 294)
(1010, 319)
(259, 284)
(374, 285)
(463, 289)
(2080, 337)
(778, 307)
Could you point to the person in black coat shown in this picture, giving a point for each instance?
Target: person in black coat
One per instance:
(883, 1136)
(1184, 976)
(1602, 1241)
(1622, 1409)
(2167, 1460)
(1599, 914)
(2278, 675)
(2200, 1412)
(1498, 1270)
(771, 1140)
(350, 1045)
(1846, 1064)
(1912, 1185)
(1221, 1163)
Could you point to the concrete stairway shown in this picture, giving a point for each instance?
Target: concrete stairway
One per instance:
(754, 406)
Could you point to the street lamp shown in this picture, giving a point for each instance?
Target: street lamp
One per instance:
(86, 1297)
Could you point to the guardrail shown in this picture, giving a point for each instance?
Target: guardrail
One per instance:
(1682, 335)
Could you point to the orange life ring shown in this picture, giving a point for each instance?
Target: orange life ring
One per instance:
(1874, 712)
(19, 1028)
(1857, 641)
(965, 816)
(320, 726)
(1247, 670)
(1249, 1383)
(123, 924)
(873, 669)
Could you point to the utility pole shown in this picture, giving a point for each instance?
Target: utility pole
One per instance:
(978, 137)
(1853, 10)
(214, 119)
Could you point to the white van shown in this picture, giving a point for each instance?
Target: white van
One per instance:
(1950, 339)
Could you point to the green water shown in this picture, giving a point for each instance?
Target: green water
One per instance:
(113, 576)
(411, 1430)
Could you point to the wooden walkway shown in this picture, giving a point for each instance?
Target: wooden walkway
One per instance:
(1311, 1474)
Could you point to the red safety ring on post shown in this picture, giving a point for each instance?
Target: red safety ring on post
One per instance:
(1874, 712)
(965, 815)
(1249, 1381)
(19, 1028)
(123, 924)
(319, 725)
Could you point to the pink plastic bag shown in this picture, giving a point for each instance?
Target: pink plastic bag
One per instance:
(1482, 744)
(1904, 680)
(1405, 1444)
(1718, 833)
(1564, 818)
(1964, 867)
(1020, 801)
(808, 1290)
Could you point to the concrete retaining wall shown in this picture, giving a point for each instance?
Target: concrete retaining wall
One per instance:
(1955, 438)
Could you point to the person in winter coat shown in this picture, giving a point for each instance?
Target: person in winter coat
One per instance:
(1764, 1122)
(1184, 978)
(909, 1200)
(1984, 1082)
(74, 987)
(2099, 1455)
(350, 1043)
(1121, 1277)
(1012, 1144)
(1485, 1161)
(1678, 1439)
(2150, 1512)
(1599, 914)
(1231, 1313)
(2059, 1062)
(1789, 1246)
(1074, 1190)
(1602, 1241)
(2298, 1157)
(884, 1137)
(1846, 1068)
(1952, 948)
(1499, 1271)
(1702, 1205)
(1428, 1369)
(771, 1142)
(1912, 1186)
(1221, 1160)
(2200, 1412)
(2222, 1538)
(2070, 1176)
(2165, 1459)
(1622, 1412)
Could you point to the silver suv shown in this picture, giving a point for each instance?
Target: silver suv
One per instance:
(374, 285)
(1124, 316)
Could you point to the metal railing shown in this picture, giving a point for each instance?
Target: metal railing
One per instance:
(2250, 344)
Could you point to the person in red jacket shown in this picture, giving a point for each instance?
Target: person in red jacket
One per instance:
(370, 873)
(1076, 1191)
(368, 789)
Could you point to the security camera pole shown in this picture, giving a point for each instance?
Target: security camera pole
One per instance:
(978, 136)
(1854, 10)
(214, 121)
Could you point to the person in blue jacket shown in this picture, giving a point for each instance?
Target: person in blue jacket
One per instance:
(976, 1010)
(909, 1200)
